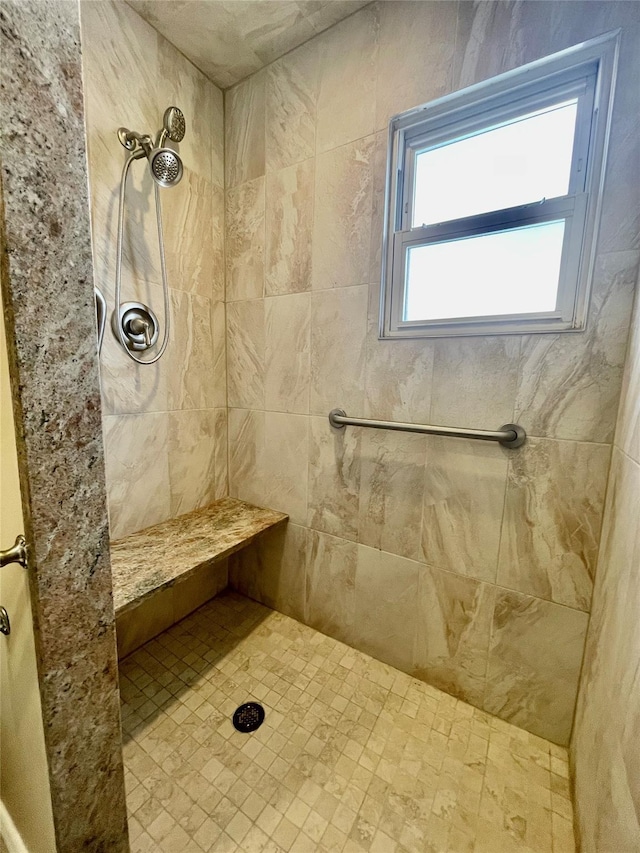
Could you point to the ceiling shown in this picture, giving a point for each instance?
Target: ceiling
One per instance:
(230, 39)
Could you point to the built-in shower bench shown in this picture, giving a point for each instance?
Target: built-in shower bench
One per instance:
(157, 557)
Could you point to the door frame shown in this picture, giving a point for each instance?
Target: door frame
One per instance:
(47, 283)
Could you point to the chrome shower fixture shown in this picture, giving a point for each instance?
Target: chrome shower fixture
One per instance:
(173, 126)
(165, 163)
(134, 324)
(166, 167)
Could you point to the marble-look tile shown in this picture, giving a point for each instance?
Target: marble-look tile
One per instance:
(409, 74)
(346, 98)
(245, 237)
(244, 131)
(217, 136)
(397, 377)
(534, 664)
(245, 353)
(273, 570)
(140, 259)
(378, 210)
(129, 388)
(334, 478)
(291, 99)
(289, 229)
(331, 585)
(286, 453)
(115, 31)
(192, 592)
(474, 381)
(275, 29)
(342, 215)
(386, 614)
(207, 34)
(190, 371)
(604, 756)
(403, 764)
(453, 632)
(326, 13)
(230, 40)
(147, 619)
(246, 454)
(191, 452)
(525, 32)
(464, 493)
(628, 427)
(218, 377)
(137, 471)
(620, 215)
(338, 326)
(391, 487)
(552, 517)
(569, 384)
(187, 87)
(287, 359)
(218, 242)
(220, 453)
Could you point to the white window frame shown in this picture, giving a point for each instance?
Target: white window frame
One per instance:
(586, 71)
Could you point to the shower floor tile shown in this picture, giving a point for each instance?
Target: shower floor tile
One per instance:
(353, 756)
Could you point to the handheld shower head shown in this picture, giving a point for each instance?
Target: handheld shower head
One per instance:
(166, 167)
(174, 125)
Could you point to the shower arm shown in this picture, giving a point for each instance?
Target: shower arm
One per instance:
(140, 143)
(136, 155)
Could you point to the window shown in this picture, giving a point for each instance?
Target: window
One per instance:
(493, 195)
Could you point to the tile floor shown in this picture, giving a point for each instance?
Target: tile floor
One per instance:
(353, 755)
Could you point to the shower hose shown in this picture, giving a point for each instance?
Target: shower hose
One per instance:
(163, 267)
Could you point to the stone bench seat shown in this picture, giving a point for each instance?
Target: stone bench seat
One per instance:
(157, 557)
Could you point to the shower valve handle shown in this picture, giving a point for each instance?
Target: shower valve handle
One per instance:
(135, 325)
(141, 326)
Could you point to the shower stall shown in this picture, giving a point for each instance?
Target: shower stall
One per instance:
(331, 637)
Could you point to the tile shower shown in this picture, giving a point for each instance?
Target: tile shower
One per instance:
(432, 597)
(466, 566)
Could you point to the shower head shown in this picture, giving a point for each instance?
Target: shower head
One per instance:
(166, 167)
(174, 125)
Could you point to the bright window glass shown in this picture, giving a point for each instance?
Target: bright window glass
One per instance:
(519, 162)
(507, 272)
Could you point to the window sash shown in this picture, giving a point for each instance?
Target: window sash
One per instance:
(424, 136)
(571, 209)
(594, 60)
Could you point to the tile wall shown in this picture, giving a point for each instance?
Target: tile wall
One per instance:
(604, 747)
(164, 425)
(468, 565)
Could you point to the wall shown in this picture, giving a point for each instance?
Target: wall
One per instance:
(604, 748)
(47, 288)
(164, 425)
(467, 565)
(26, 797)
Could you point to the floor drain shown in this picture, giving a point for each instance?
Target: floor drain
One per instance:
(248, 717)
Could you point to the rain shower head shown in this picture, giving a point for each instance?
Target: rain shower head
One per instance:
(166, 167)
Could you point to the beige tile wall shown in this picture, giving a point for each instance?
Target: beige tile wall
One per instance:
(164, 425)
(471, 566)
(169, 605)
(604, 749)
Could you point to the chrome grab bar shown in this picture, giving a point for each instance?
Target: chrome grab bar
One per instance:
(509, 435)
